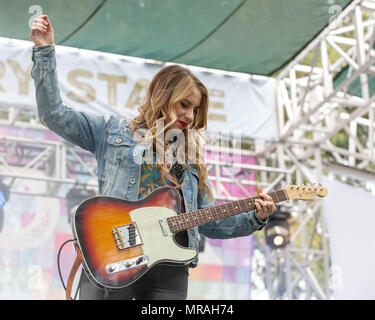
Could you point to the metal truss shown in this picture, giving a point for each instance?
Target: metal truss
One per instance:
(311, 110)
(57, 163)
(302, 269)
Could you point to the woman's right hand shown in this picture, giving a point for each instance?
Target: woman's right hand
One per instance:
(41, 32)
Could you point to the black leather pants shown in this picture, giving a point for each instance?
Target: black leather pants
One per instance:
(161, 282)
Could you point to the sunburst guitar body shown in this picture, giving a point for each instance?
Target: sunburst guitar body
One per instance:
(122, 239)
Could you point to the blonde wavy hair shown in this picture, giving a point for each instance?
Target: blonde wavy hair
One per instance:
(169, 86)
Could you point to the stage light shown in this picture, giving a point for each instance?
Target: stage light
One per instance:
(278, 240)
(277, 229)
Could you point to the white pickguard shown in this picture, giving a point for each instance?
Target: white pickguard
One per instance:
(156, 245)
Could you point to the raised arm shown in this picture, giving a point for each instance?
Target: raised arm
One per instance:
(80, 128)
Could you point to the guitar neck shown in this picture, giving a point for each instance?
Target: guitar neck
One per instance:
(192, 219)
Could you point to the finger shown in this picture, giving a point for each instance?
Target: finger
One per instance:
(47, 19)
(261, 202)
(40, 20)
(271, 208)
(49, 24)
(38, 29)
(266, 197)
(267, 205)
(260, 212)
(259, 189)
(40, 26)
(36, 23)
(259, 208)
(43, 19)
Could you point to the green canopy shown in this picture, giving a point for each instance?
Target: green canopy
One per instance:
(250, 36)
(355, 87)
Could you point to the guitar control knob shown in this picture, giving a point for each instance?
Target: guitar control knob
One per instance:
(139, 260)
(110, 268)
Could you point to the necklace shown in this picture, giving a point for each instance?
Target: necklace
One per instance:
(178, 171)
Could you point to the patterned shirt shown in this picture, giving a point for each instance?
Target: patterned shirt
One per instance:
(151, 179)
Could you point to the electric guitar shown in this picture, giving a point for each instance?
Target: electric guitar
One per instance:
(120, 240)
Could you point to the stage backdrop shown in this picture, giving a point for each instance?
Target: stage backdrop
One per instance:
(108, 83)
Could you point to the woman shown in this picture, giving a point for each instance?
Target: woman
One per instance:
(133, 158)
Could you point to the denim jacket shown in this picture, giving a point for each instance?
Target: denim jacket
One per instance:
(119, 154)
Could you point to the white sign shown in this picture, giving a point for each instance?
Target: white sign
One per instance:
(109, 83)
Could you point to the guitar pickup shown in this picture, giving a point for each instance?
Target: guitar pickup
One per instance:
(126, 236)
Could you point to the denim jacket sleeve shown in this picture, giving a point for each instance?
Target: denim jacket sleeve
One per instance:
(79, 128)
(239, 225)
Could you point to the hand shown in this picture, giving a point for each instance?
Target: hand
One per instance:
(265, 206)
(41, 32)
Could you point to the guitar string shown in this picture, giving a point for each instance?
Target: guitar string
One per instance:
(241, 206)
(177, 223)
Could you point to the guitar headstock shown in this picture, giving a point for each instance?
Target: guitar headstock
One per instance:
(305, 192)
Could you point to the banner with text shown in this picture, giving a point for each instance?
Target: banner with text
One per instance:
(108, 83)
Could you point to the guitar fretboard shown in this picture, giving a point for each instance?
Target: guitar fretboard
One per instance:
(192, 219)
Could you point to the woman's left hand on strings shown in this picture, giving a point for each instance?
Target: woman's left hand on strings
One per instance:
(265, 206)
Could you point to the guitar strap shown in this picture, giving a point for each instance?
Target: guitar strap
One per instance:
(72, 274)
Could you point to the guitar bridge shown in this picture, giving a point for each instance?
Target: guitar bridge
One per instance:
(126, 236)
